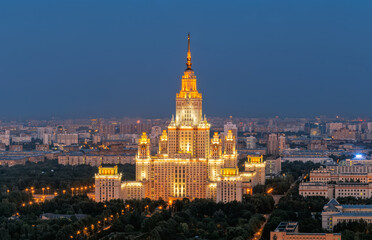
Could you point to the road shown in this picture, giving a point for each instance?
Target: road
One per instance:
(258, 234)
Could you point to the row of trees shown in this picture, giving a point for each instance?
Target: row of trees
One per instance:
(51, 174)
(143, 219)
(358, 230)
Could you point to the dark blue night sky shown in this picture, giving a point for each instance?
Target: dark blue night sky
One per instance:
(253, 58)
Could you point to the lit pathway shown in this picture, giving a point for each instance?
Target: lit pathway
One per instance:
(258, 234)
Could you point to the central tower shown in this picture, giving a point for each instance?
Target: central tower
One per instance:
(189, 131)
(188, 100)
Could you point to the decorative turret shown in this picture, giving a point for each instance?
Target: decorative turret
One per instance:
(216, 146)
(163, 143)
(230, 143)
(230, 156)
(144, 146)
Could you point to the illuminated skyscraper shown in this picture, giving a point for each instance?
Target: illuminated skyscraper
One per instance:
(189, 164)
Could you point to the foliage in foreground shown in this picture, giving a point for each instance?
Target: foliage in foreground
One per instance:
(141, 219)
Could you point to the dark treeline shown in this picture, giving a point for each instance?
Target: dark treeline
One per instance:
(140, 219)
(291, 171)
(358, 230)
(355, 201)
(51, 174)
(280, 185)
(297, 169)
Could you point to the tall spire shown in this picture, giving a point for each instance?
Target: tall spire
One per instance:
(188, 63)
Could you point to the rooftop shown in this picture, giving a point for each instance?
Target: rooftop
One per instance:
(286, 227)
(354, 214)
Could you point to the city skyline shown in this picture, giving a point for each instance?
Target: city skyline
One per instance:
(285, 59)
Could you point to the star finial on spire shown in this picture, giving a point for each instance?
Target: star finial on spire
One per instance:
(188, 63)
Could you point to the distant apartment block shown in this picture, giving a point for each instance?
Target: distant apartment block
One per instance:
(306, 156)
(276, 143)
(251, 142)
(345, 134)
(10, 158)
(67, 139)
(273, 166)
(16, 148)
(94, 159)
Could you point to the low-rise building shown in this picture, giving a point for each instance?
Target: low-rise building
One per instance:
(333, 181)
(306, 156)
(16, 148)
(334, 213)
(344, 134)
(42, 147)
(94, 159)
(11, 158)
(289, 231)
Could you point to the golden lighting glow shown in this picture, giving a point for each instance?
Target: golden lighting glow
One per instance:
(144, 139)
(216, 138)
(164, 136)
(255, 159)
(188, 89)
(230, 136)
(229, 171)
(107, 170)
(132, 184)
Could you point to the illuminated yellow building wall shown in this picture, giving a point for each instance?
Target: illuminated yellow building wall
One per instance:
(132, 190)
(107, 184)
(229, 185)
(255, 164)
(177, 179)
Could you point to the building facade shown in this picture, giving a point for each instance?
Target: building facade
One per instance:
(334, 213)
(339, 181)
(107, 184)
(190, 164)
(273, 166)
